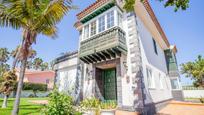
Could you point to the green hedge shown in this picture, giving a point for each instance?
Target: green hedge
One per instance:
(33, 86)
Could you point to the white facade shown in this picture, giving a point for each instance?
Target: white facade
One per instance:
(142, 75)
(155, 62)
(66, 72)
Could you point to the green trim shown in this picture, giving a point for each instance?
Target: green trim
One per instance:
(98, 12)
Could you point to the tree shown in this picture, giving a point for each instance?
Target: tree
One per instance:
(18, 56)
(44, 66)
(8, 85)
(33, 17)
(195, 70)
(4, 57)
(177, 4)
(37, 63)
(3, 68)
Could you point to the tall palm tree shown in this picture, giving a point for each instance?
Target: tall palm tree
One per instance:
(33, 17)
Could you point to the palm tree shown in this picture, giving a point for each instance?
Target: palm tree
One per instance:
(7, 86)
(37, 63)
(44, 66)
(4, 57)
(17, 56)
(33, 17)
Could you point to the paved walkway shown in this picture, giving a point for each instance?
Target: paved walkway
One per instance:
(182, 108)
(42, 102)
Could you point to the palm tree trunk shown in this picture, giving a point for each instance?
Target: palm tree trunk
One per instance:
(19, 88)
(4, 105)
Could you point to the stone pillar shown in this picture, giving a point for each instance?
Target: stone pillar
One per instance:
(135, 62)
(119, 82)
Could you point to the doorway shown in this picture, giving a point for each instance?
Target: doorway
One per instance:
(110, 85)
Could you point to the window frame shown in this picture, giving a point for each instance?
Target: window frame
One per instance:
(101, 24)
(93, 30)
(161, 80)
(110, 17)
(150, 78)
(178, 85)
(86, 33)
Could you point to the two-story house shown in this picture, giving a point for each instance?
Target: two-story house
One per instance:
(122, 56)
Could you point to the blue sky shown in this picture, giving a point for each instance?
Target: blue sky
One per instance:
(183, 28)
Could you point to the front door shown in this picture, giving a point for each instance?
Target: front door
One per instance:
(109, 76)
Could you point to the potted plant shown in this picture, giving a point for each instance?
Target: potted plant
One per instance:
(93, 106)
(108, 107)
(90, 106)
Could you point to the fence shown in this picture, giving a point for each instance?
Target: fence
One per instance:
(29, 93)
(193, 92)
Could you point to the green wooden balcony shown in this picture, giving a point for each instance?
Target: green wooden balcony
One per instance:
(103, 46)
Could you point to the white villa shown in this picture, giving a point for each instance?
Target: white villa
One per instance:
(121, 56)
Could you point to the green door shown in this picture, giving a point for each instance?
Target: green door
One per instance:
(110, 84)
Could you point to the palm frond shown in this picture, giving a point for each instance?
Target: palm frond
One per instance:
(50, 31)
(11, 14)
(7, 19)
(53, 13)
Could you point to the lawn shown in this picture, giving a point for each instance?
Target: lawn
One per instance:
(26, 107)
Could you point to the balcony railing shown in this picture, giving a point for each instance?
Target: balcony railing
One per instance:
(105, 45)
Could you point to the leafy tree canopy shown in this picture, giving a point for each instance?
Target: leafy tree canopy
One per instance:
(177, 4)
(4, 55)
(195, 70)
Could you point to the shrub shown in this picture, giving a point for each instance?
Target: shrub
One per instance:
(201, 100)
(35, 87)
(60, 104)
(31, 96)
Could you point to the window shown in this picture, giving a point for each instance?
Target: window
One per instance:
(161, 81)
(86, 32)
(110, 19)
(120, 19)
(93, 28)
(47, 81)
(155, 46)
(150, 78)
(174, 84)
(101, 24)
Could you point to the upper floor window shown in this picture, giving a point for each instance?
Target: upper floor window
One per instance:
(93, 28)
(101, 24)
(155, 46)
(120, 17)
(110, 19)
(86, 31)
(150, 78)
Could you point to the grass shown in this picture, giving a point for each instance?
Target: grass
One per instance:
(197, 100)
(26, 107)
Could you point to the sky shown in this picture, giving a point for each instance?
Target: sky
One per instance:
(185, 29)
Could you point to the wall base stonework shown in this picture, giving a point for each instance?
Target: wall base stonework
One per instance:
(152, 108)
(178, 95)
